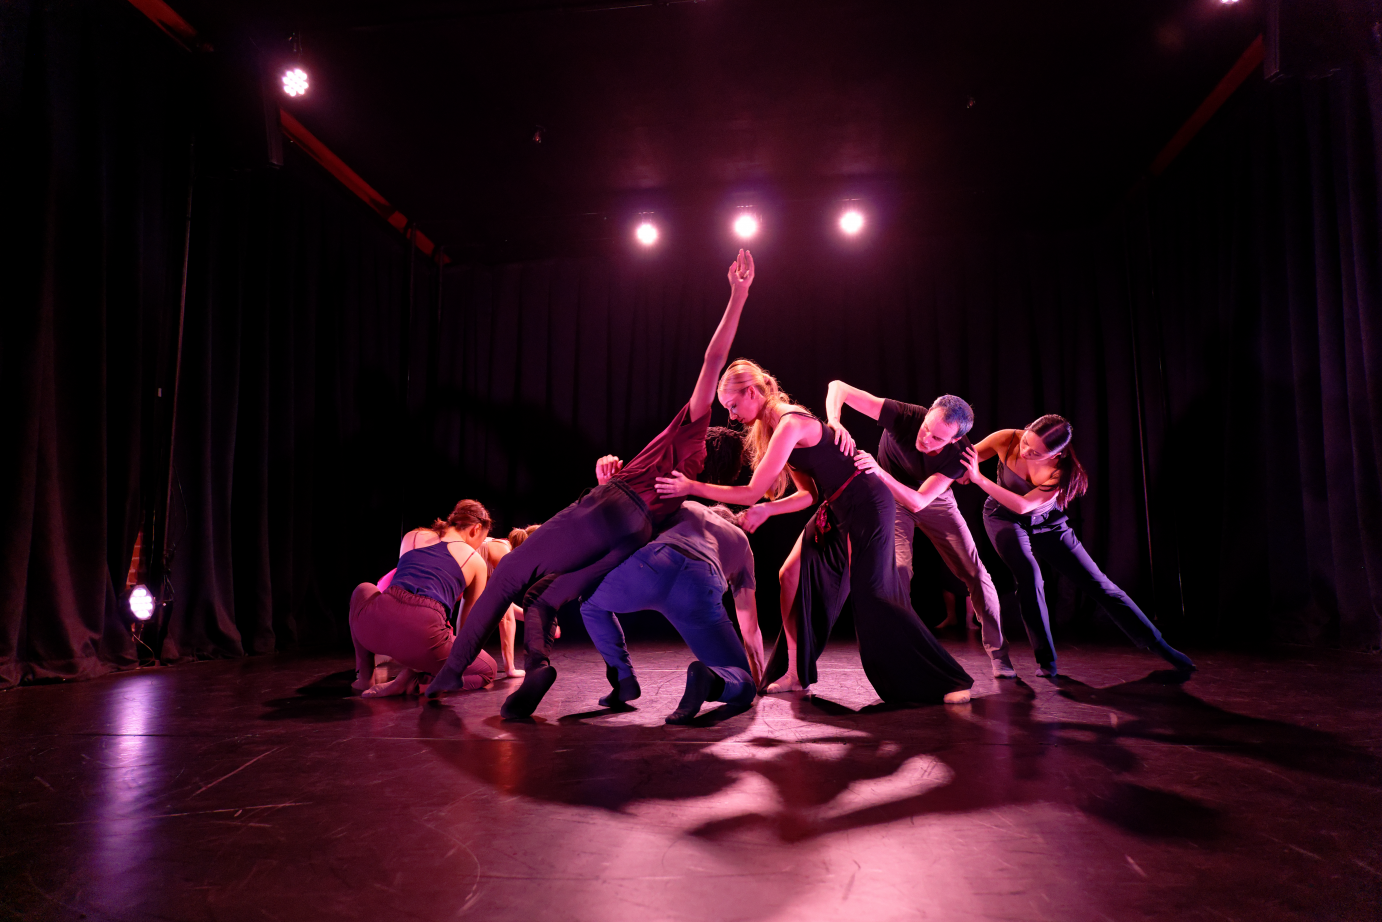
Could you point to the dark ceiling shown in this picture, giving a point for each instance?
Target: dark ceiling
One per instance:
(936, 115)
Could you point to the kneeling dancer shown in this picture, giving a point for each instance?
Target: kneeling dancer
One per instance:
(581, 544)
(683, 573)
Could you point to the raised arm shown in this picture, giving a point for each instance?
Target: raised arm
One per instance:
(839, 395)
(1019, 503)
(717, 353)
(785, 438)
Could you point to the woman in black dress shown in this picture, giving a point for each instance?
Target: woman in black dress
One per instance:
(900, 657)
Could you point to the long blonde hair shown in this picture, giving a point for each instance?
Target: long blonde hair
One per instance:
(740, 374)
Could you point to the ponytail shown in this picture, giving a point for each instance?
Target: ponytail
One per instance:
(519, 535)
(468, 512)
(1055, 433)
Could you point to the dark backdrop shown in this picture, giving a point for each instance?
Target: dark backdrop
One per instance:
(1220, 331)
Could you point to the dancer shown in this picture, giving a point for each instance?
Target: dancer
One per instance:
(919, 458)
(407, 620)
(594, 535)
(684, 573)
(1038, 476)
(495, 550)
(846, 547)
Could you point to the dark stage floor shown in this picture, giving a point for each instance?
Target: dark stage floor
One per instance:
(253, 790)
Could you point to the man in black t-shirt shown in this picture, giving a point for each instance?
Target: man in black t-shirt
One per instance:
(919, 460)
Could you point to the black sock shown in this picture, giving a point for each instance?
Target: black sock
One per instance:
(525, 700)
(621, 690)
(702, 685)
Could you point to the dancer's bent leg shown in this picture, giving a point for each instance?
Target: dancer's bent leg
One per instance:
(364, 658)
(582, 534)
(1061, 547)
(695, 607)
(943, 523)
(1013, 544)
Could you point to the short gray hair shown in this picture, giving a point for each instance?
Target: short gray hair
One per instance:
(958, 413)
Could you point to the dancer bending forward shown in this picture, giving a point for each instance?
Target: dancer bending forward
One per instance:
(1038, 476)
(919, 458)
(684, 573)
(407, 620)
(847, 547)
(589, 538)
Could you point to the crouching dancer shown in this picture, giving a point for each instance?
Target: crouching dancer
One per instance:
(581, 544)
(683, 573)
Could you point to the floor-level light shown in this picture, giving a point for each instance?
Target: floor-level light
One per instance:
(141, 603)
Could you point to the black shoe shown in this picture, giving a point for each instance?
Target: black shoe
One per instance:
(701, 686)
(621, 690)
(523, 702)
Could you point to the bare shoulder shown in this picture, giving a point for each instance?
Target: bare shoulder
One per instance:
(422, 537)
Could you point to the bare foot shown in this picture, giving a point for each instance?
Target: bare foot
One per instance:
(958, 697)
(786, 684)
(403, 685)
(362, 685)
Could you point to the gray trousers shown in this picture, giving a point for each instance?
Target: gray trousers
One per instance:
(942, 522)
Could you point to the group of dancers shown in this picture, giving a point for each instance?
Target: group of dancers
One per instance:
(633, 543)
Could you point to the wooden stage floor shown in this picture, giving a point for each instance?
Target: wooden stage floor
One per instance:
(254, 789)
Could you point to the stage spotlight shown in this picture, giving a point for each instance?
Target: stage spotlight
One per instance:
(295, 82)
(746, 225)
(646, 233)
(141, 603)
(851, 222)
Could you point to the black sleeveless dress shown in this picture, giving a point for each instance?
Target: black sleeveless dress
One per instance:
(901, 658)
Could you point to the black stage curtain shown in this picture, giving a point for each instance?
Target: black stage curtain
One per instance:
(1221, 329)
(1254, 271)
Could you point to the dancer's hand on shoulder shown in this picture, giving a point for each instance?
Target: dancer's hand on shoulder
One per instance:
(843, 440)
(752, 517)
(867, 463)
(606, 468)
(678, 484)
(741, 273)
(970, 459)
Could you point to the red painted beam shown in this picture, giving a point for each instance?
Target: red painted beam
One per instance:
(295, 132)
(181, 31)
(1250, 60)
(167, 19)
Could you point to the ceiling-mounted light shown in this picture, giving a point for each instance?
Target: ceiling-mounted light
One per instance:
(746, 225)
(646, 233)
(851, 222)
(295, 81)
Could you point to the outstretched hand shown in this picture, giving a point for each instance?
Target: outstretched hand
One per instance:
(843, 440)
(678, 484)
(606, 468)
(970, 459)
(867, 463)
(741, 273)
(751, 518)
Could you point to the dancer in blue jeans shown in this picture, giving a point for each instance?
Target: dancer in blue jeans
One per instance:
(1038, 476)
(683, 573)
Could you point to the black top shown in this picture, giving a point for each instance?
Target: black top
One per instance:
(897, 449)
(823, 462)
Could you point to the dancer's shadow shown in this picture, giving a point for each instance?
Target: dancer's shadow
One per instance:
(324, 700)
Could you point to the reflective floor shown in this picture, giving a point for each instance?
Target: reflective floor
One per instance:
(255, 789)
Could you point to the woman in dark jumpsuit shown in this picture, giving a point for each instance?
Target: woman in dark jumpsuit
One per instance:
(901, 658)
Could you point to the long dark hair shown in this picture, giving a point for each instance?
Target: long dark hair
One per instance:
(468, 512)
(1055, 433)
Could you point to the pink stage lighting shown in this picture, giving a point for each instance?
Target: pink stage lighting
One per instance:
(746, 225)
(295, 82)
(646, 233)
(851, 222)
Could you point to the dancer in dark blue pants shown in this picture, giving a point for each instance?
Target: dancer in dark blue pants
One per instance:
(1038, 475)
(684, 574)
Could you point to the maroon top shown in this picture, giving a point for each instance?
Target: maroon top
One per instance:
(679, 447)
